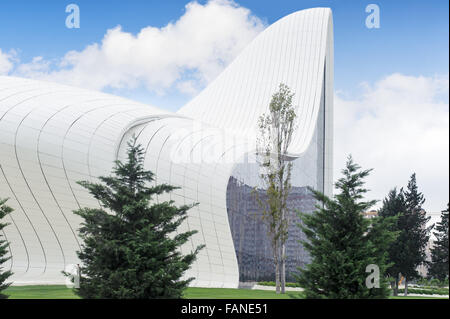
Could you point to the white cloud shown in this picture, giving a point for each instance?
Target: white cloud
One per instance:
(37, 68)
(6, 61)
(398, 126)
(186, 54)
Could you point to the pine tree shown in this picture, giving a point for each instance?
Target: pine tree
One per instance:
(342, 243)
(439, 253)
(416, 232)
(382, 234)
(131, 248)
(408, 251)
(394, 205)
(4, 275)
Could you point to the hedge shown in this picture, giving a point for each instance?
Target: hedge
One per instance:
(272, 283)
(425, 291)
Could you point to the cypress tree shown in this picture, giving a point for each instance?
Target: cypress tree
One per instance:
(4, 274)
(439, 252)
(416, 232)
(130, 245)
(394, 205)
(408, 251)
(342, 243)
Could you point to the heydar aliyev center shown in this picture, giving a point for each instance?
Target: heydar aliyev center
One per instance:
(52, 136)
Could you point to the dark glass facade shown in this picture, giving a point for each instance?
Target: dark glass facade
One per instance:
(251, 242)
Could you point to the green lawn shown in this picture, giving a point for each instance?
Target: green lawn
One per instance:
(416, 297)
(40, 292)
(229, 293)
(61, 292)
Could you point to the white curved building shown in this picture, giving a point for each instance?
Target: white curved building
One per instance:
(52, 136)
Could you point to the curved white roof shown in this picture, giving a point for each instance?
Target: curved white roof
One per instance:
(53, 135)
(293, 51)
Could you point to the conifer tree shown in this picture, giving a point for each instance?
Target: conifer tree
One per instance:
(394, 205)
(439, 252)
(130, 245)
(408, 251)
(342, 243)
(4, 275)
(416, 232)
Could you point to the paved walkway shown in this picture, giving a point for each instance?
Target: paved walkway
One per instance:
(419, 295)
(260, 287)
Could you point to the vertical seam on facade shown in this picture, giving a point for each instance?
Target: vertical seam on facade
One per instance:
(6, 179)
(31, 224)
(44, 175)
(9, 249)
(34, 197)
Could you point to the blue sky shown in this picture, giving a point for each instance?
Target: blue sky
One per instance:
(391, 84)
(412, 38)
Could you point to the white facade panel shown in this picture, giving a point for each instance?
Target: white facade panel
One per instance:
(52, 136)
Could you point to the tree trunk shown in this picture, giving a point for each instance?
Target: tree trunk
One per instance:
(396, 286)
(406, 286)
(283, 268)
(276, 260)
(277, 276)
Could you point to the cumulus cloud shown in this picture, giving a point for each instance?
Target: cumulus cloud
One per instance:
(6, 61)
(186, 54)
(398, 126)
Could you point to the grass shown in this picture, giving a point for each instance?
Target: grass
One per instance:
(415, 297)
(229, 293)
(40, 292)
(62, 292)
(423, 291)
(272, 284)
